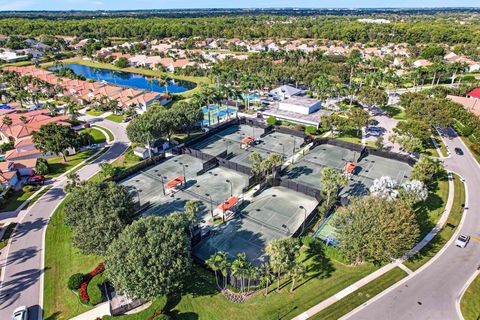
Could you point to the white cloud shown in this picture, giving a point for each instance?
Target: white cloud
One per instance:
(16, 5)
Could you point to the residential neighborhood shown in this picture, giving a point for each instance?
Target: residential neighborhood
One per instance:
(239, 163)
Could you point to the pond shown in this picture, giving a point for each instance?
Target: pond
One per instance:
(128, 79)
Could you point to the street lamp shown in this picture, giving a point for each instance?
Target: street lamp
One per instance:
(283, 150)
(184, 174)
(163, 185)
(304, 218)
(211, 203)
(231, 187)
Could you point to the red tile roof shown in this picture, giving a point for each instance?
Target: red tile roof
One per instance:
(475, 93)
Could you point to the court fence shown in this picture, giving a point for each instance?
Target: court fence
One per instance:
(138, 167)
(389, 155)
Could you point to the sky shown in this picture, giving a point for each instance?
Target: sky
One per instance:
(176, 4)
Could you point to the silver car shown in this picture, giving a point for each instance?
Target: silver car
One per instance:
(21, 313)
(462, 241)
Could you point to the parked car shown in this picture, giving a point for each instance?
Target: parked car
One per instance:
(373, 122)
(21, 313)
(127, 119)
(375, 133)
(378, 129)
(92, 146)
(35, 180)
(459, 151)
(462, 241)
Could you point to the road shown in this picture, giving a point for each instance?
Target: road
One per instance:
(21, 282)
(431, 293)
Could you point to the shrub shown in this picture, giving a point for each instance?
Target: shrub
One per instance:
(28, 188)
(98, 269)
(6, 146)
(298, 127)
(83, 292)
(310, 130)
(75, 281)
(272, 120)
(42, 166)
(307, 241)
(475, 148)
(94, 289)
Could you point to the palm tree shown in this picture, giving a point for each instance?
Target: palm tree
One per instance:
(296, 272)
(238, 269)
(71, 110)
(23, 119)
(214, 264)
(7, 121)
(265, 272)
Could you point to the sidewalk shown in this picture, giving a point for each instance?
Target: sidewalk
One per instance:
(101, 310)
(360, 283)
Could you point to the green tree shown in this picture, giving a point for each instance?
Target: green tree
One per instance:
(359, 118)
(332, 181)
(151, 257)
(375, 229)
(373, 97)
(121, 63)
(145, 129)
(97, 213)
(297, 271)
(108, 170)
(425, 169)
(282, 254)
(55, 138)
(73, 181)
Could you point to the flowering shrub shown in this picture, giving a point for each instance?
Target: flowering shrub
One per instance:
(99, 269)
(83, 292)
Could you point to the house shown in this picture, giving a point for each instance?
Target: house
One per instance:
(9, 56)
(398, 62)
(23, 167)
(299, 104)
(470, 104)
(284, 92)
(422, 63)
(146, 99)
(9, 179)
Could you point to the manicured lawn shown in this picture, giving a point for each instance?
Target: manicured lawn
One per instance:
(61, 261)
(6, 236)
(111, 137)
(365, 293)
(437, 243)
(158, 304)
(468, 143)
(470, 304)
(429, 211)
(57, 166)
(16, 198)
(96, 135)
(94, 113)
(350, 136)
(395, 112)
(115, 118)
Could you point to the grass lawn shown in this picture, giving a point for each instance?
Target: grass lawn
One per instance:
(6, 236)
(470, 304)
(445, 233)
(395, 112)
(96, 135)
(349, 136)
(16, 198)
(57, 166)
(157, 305)
(94, 113)
(111, 137)
(365, 293)
(115, 118)
(429, 211)
(468, 143)
(200, 81)
(38, 195)
(61, 261)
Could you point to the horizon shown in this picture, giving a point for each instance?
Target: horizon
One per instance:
(146, 5)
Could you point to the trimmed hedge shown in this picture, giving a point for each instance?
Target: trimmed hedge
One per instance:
(75, 281)
(94, 289)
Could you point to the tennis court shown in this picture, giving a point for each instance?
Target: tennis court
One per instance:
(274, 214)
(307, 170)
(214, 114)
(210, 188)
(230, 140)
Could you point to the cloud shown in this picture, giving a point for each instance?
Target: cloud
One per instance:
(16, 5)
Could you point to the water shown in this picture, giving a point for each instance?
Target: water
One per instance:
(128, 79)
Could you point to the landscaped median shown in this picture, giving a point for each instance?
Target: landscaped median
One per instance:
(470, 304)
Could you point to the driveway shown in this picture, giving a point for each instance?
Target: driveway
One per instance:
(387, 123)
(432, 292)
(23, 267)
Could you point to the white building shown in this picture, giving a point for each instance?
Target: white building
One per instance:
(284, 92)
(300, 104)
(9, 56)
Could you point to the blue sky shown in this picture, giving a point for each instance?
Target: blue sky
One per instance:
(171, 4)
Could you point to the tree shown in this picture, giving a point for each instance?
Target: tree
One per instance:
(73, 181)
(265, 276)
(255, 160)
(71, 110)
(151, 257)
(283, 254)
(375, 229)
(332, 181)
(385, 187)
(373, 97)
(359, 118)
(296, 272)
(121, 63)
(187, 115)
(412, 192)
(97, 213)
(55, 138)
(239, 269)
(214, 263)
(145, 129)
(379, 143)
(108, 170)
(425, 169)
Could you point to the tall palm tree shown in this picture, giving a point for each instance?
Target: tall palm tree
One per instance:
(214, 263)
(238, 269)
(297, 271)
(71, 110)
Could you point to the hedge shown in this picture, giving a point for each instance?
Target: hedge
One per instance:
(75, 281)
(94, 289)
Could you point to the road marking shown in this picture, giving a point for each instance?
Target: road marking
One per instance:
(475, 239)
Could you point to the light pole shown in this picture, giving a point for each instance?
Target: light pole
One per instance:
(163, 185)
(211, 204)
(231, 187)
(184, 174)
(304, 217)
(283, 150)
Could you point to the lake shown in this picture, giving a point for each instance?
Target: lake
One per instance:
(128, 79)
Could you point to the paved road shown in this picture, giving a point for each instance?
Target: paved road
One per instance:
(23, 266)
(431, 294)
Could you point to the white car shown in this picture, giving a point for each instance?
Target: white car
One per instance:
(462, 241)
(21, 313)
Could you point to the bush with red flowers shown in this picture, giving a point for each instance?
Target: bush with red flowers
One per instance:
(83, 292)
(98, 269)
